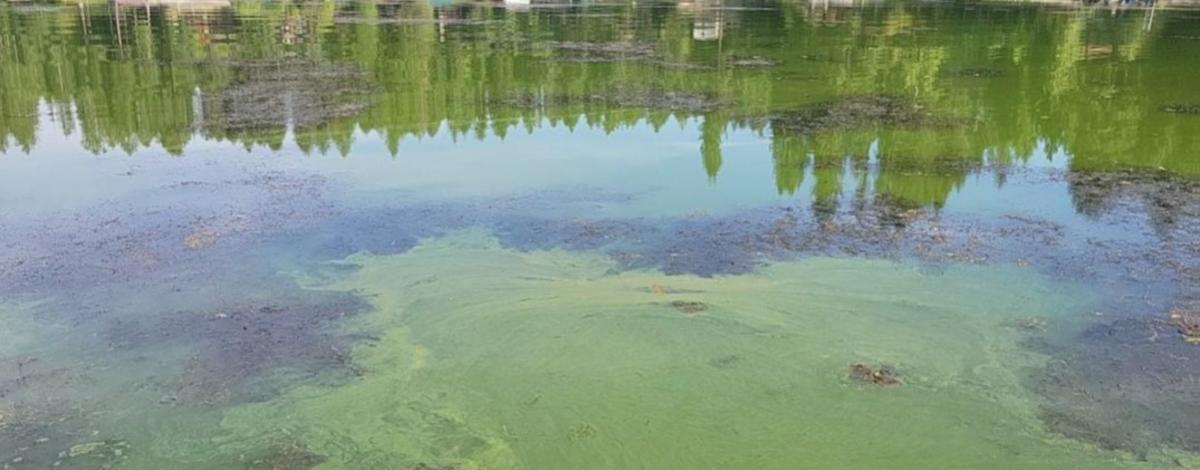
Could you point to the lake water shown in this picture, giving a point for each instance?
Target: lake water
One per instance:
(403, 235)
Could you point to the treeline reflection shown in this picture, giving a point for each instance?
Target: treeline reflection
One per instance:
(1108, 90)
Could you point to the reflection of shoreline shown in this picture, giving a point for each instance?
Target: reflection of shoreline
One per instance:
(184, 4)
(1105, 4)
(1098, 4)
(251, 75)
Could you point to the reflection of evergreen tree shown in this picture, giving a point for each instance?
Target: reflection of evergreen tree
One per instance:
(712, 130)
(1086, 84)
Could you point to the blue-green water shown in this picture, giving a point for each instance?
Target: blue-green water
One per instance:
(607, 235)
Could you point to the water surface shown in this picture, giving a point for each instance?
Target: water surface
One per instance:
(599, 235)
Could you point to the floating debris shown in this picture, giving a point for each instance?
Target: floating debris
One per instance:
(604, 48)
(1187, 322)
(881, 376)
(753, 62)
(977, 72)
(1182, 108)
(288, 457)
(582, 432)
(98, 449)
(725, 362)
(857, 112)
(201, 239)
(689, 307)
(1032, 324)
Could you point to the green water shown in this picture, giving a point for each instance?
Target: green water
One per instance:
(563, 363)
(413, 235)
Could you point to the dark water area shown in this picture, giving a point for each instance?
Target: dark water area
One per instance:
(416, 235)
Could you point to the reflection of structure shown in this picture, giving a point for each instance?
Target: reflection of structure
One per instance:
(516, 4)
(709, 18)
(707, 29)
(826, 4)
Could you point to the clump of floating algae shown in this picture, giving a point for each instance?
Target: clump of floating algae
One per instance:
(493, 358)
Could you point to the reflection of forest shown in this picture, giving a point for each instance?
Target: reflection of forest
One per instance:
(1018, 83)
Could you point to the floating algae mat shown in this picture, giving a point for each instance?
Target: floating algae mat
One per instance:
(485, 357)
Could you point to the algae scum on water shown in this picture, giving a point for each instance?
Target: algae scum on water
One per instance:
(503, 235)
(486, 357)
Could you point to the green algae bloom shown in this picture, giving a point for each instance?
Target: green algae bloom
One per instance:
(492, 358)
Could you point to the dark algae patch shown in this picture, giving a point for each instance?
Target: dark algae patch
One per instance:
(275, 95)
(689, 307)
(853, 113)
(1128, 384)
(239, 345)
(286, 457)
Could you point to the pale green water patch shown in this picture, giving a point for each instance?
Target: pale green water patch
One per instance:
(18, 336)
(491, 358)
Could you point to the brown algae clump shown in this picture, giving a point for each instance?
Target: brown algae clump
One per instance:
(1187, 322)
(201, 239)
(287, 457)
(881, 376)
(689, 307)
(1035, 324)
